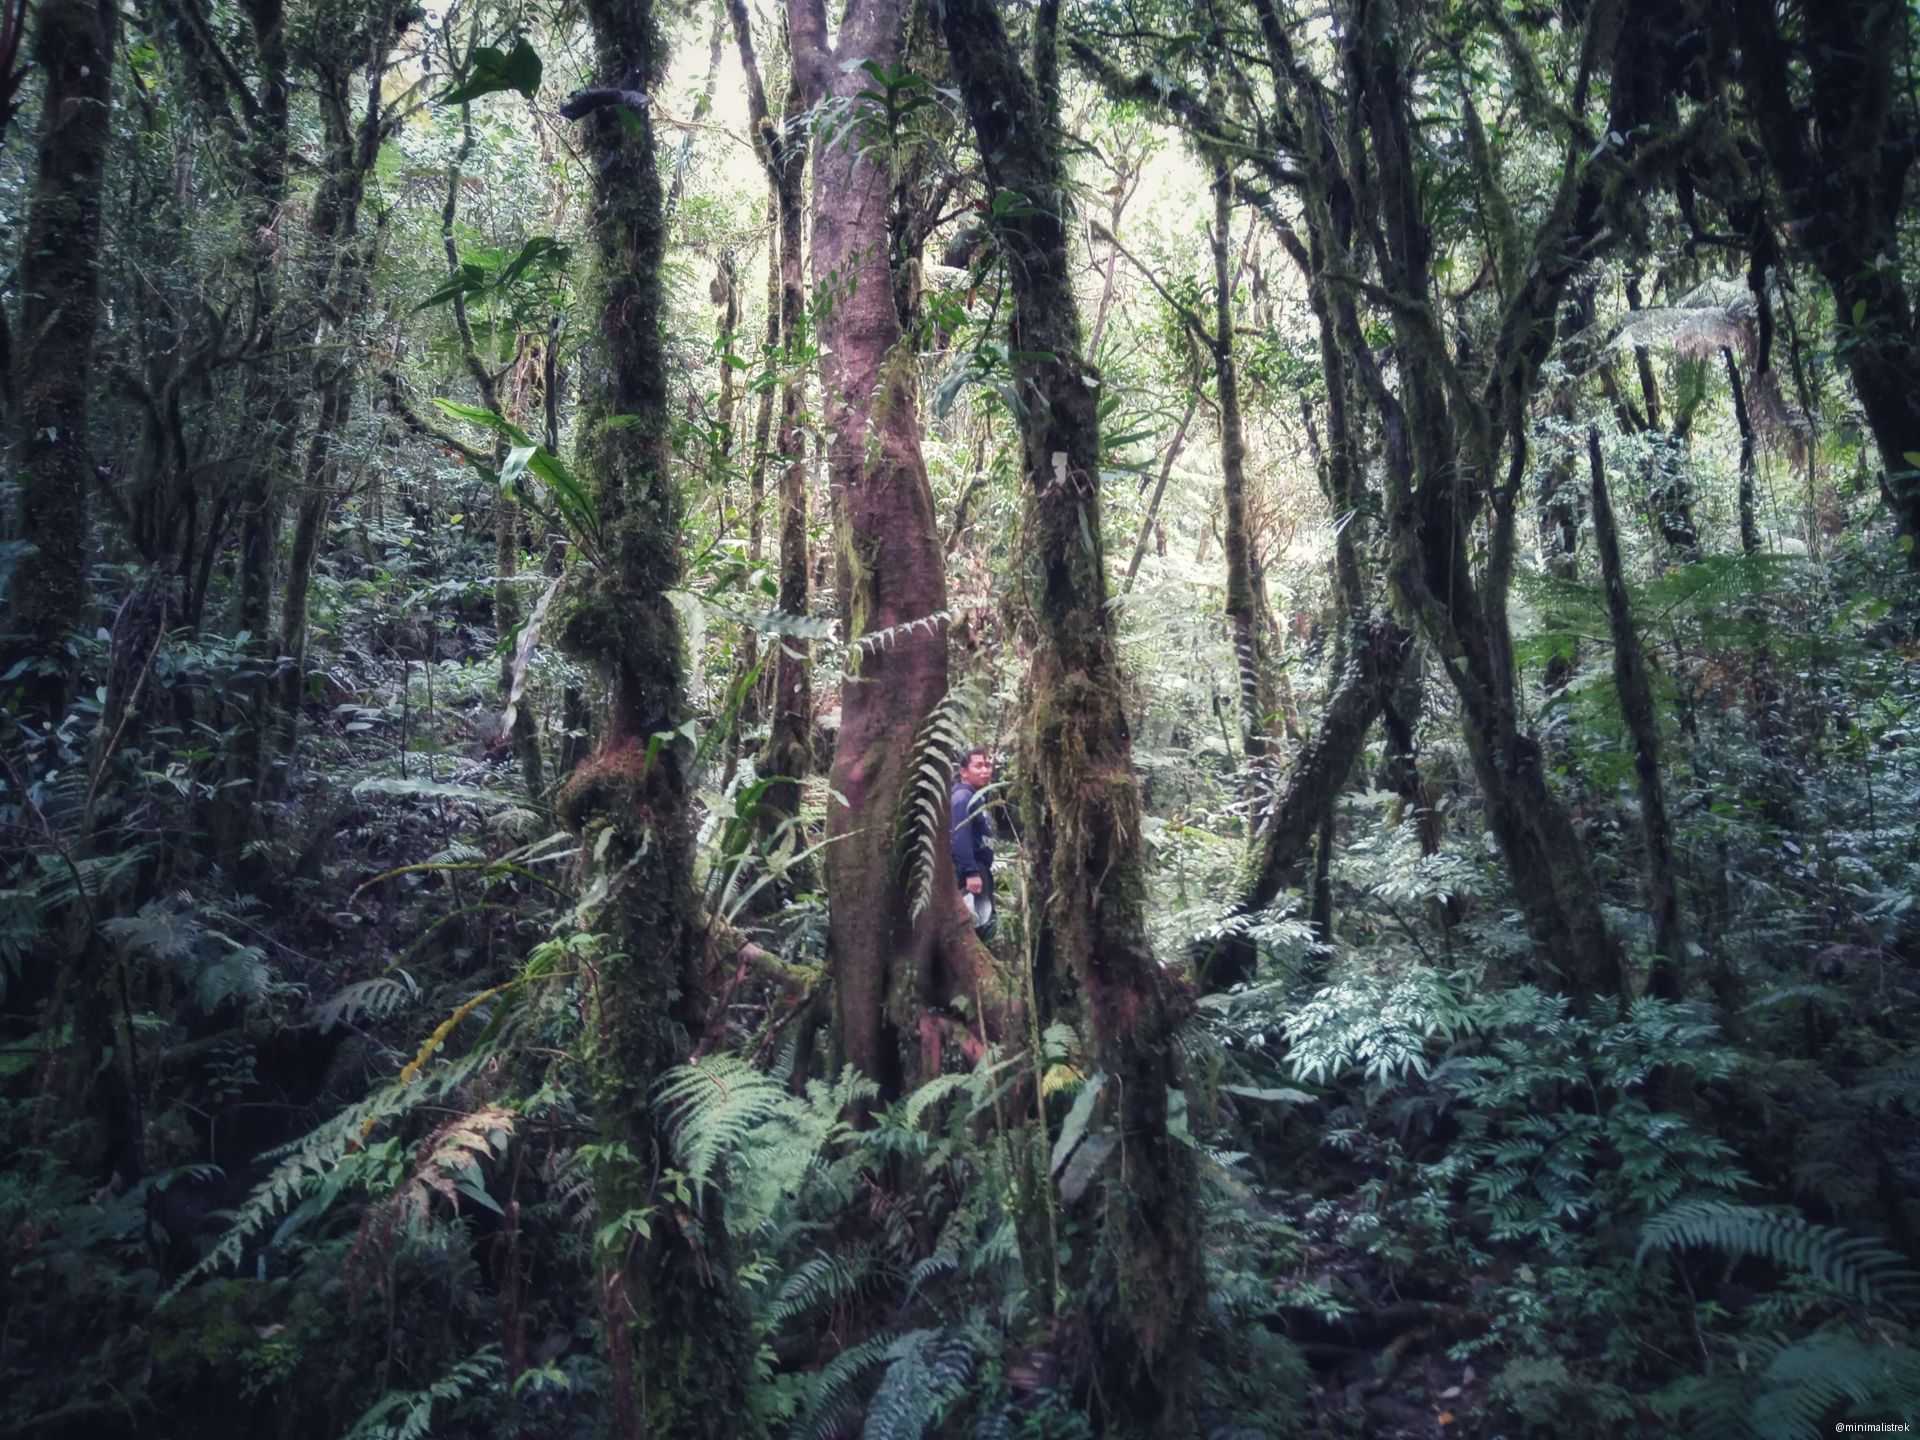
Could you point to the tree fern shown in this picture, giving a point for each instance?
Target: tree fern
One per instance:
(1861, 1269)
(925, 804)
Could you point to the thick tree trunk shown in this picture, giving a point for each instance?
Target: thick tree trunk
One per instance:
(887, 966)
(1842, 163)
(58, 281)
(1636, 706)
(677, 1342)
(1078, 751)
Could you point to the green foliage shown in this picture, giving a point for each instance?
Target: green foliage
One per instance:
(1858, 1268)
(926, 819)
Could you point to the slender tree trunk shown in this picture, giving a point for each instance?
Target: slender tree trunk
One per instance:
(522, 733)
(1078, 751)
(58, 281)
(677, 1343)
(275, 396)
(1636, 706)
(337, 266)
(1374, 666)
(1243, 587)
(1152, 516)
(887, 966)
(782, 147)
(1749, 510)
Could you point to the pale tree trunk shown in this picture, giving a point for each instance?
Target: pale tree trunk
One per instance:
(1077, 751)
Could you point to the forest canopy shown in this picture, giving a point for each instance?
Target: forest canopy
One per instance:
(959, 718)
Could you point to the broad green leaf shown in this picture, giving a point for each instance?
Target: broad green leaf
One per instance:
(494, 70)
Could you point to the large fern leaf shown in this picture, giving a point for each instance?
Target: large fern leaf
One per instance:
(925, 815)
(1861, 1269)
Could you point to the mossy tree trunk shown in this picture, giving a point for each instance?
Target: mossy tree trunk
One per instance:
(676, 1341)
(58, 282)
(1077, 749)
(1462, 452)
(1244, 603)
(274, 396)
(1635, 688)
(1842, 159)
(888, 966)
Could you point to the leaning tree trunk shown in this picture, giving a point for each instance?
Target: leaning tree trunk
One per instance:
(888, 964)
(1375, 666)
(1078, 751)
(58, 281)
(1636, 706)
(676, 1341)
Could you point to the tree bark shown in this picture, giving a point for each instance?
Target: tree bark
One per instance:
(1078, 750)
(339, 286)
(888, 966)
(1842, 161)
(677, 1342)
(1243, 587)
(1375, 665)
(1636, 707)
(59, 283)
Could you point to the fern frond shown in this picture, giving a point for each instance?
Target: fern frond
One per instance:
(1861, 1269)
(377, 998)
(832, 1393)
(712, 1105)
(821, 1283)
(926, 817)
(925, 1374)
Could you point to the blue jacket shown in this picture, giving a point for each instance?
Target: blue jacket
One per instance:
(972, 834)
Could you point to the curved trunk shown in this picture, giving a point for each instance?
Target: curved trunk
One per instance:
(1078, 752)
(1636, 706)
(887, 965)
(1376, 664)
(677, 1343)
(58, 281)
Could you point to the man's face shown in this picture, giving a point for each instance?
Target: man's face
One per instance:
(978, 771)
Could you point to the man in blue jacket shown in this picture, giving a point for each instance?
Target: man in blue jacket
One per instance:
(973, 836)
